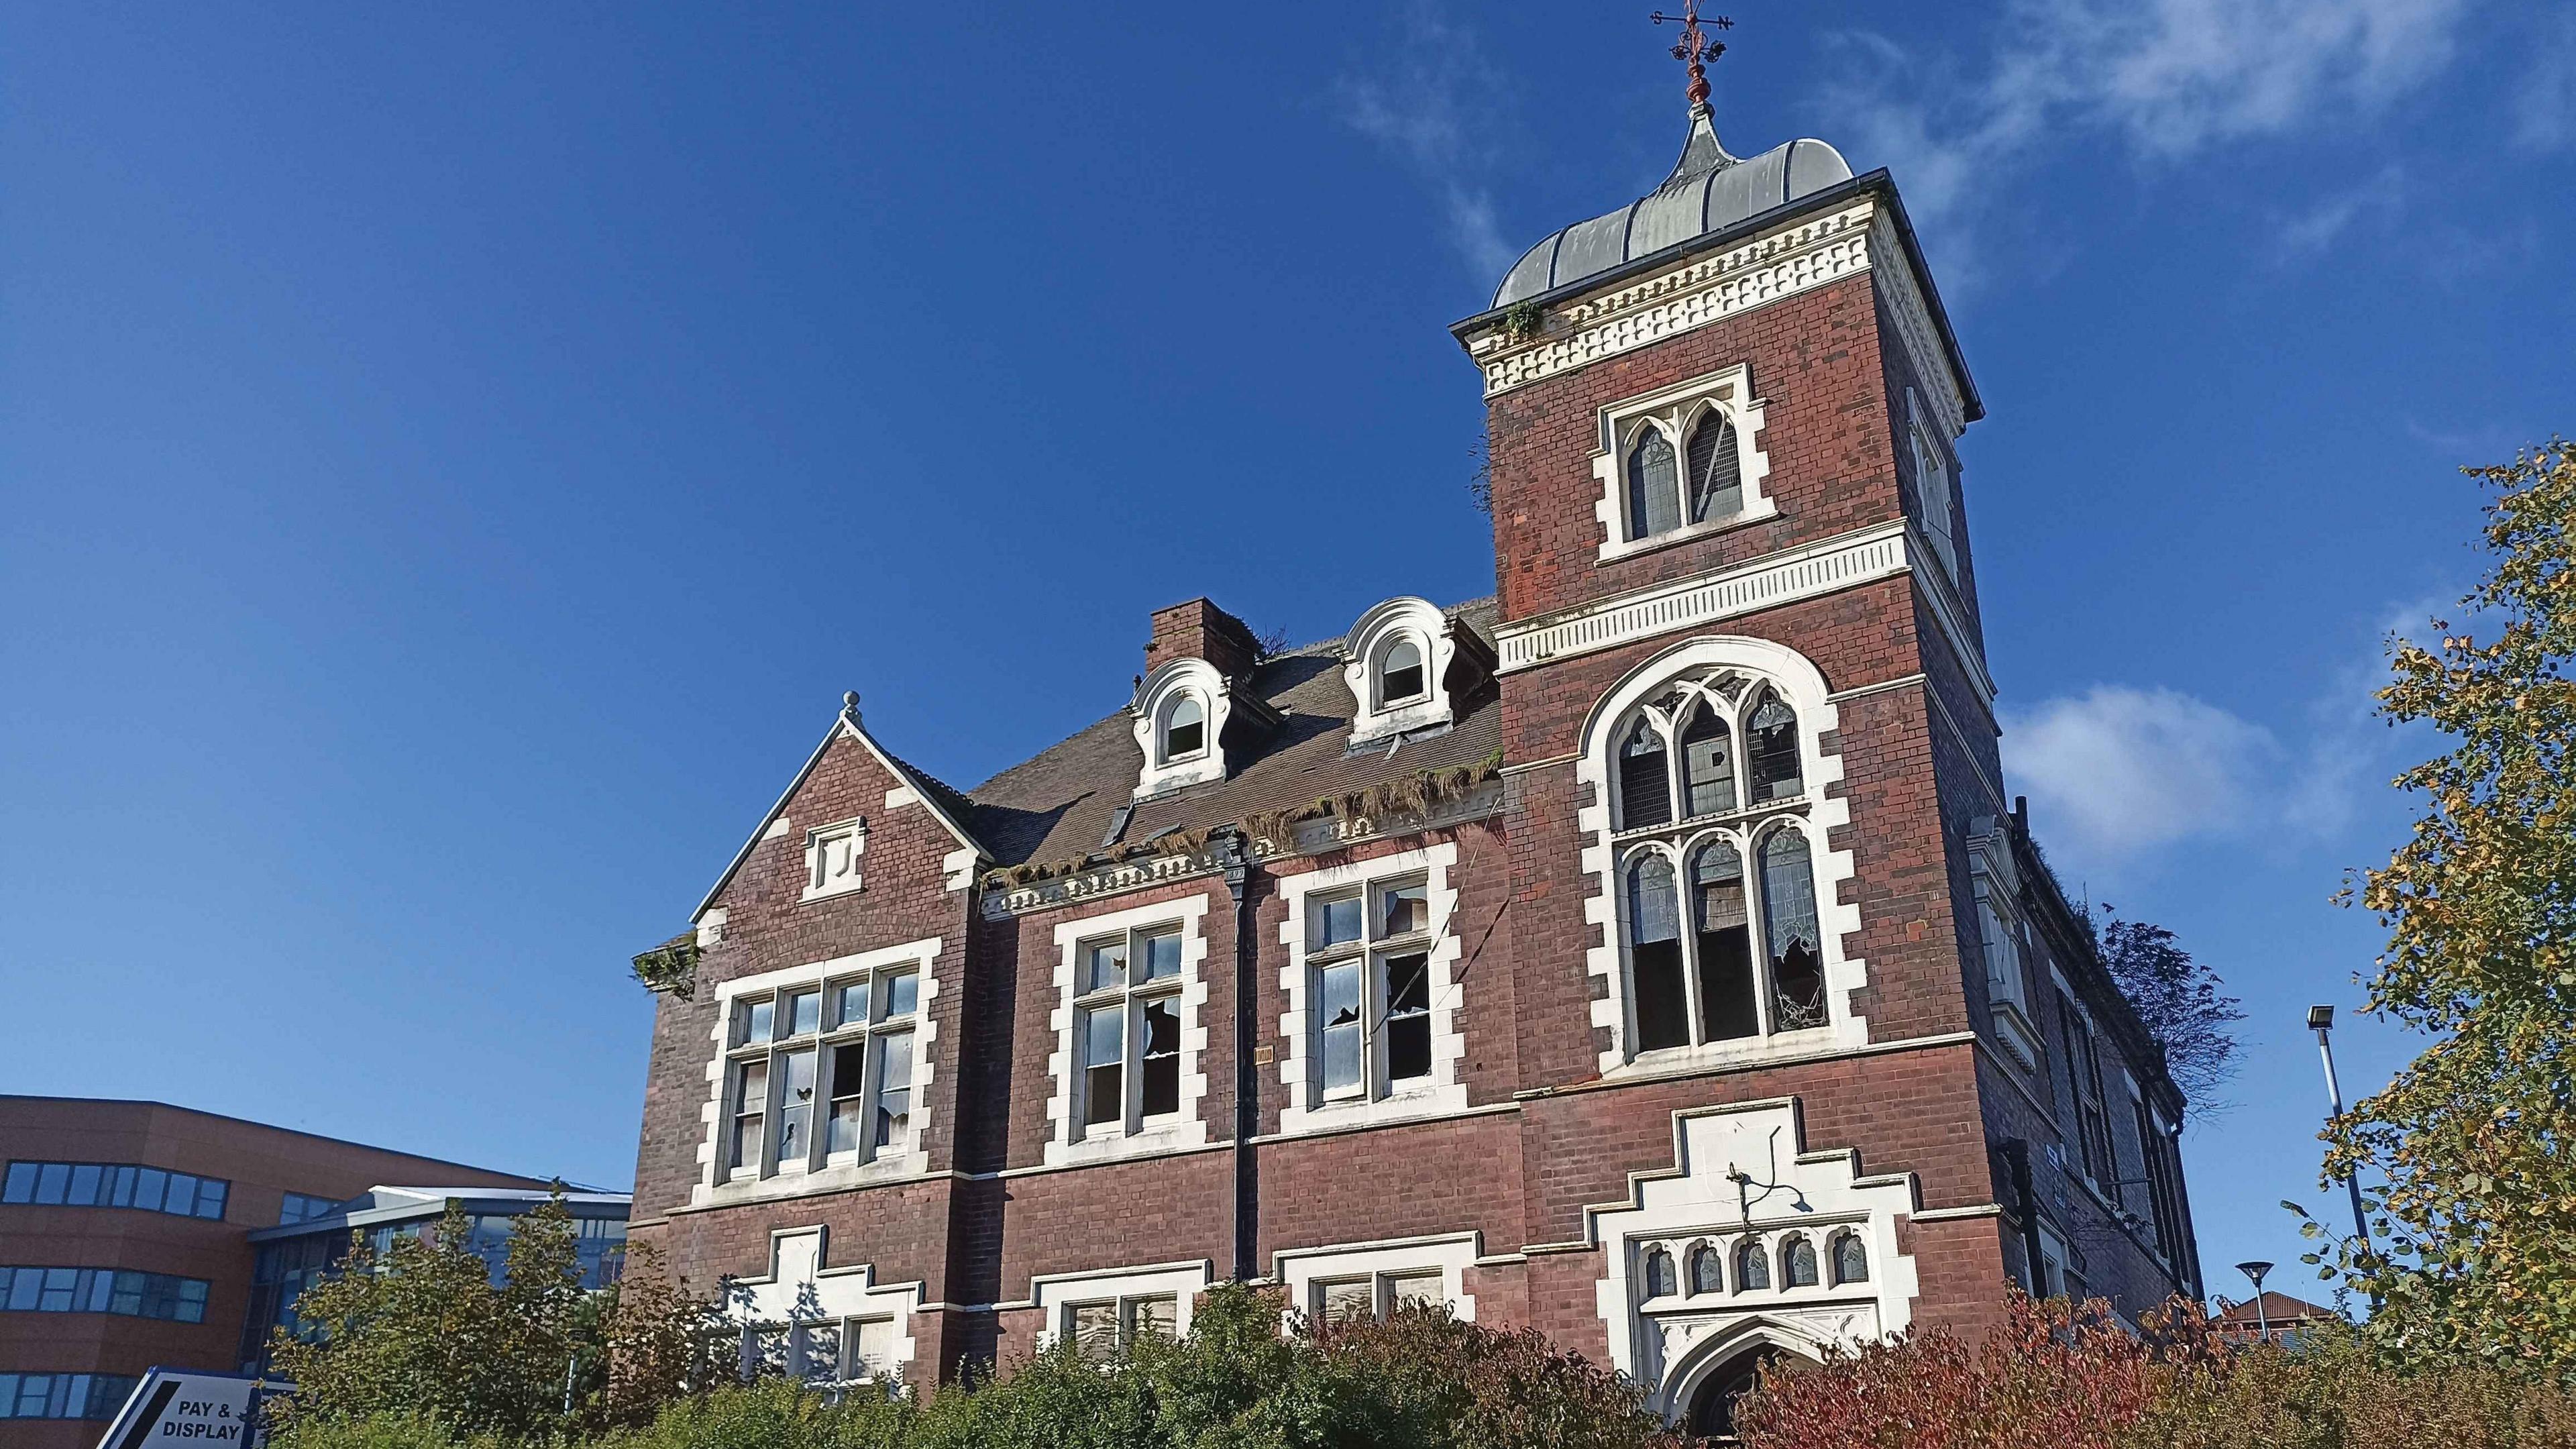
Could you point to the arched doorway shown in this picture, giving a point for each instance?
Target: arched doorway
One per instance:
(1712, 1406)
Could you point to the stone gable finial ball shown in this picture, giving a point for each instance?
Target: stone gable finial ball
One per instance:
(850, 700)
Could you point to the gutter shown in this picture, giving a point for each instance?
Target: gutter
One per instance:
(1239, 869)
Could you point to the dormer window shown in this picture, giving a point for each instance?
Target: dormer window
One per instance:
(1402, 662)
(1680, 463)
(1184, 729)
(1400, 679)
(1181, 714)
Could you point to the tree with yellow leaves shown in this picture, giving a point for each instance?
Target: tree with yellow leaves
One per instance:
(2475, 1140)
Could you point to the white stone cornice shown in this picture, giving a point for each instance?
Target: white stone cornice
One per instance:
(1762, 583)
(1783, 262)
(1789, 577)
(1791, 259)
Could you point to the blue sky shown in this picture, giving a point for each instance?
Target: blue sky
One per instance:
(457, 457)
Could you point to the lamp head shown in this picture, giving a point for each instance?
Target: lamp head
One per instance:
(2320, 1018)
(2255, 1270)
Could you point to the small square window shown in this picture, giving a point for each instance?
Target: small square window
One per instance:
(850, 1003)
(1404, 910)
(1337, 922)
(752, 1021)
(903, 994)
(1104, 965)
(804, 1012)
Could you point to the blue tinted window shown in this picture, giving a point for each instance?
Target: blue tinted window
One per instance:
(108, 1184)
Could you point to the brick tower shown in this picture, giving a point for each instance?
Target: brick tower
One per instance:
(1649, 954)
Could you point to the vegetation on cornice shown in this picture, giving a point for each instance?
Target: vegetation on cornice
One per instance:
(671, 967)
(1413, 794)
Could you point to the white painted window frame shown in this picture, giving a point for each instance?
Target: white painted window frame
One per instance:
(823, 1172)
(1305, 1271)
(1364, 652)
(1069, 1139)
(1155, 697)
(1935, 483)
(2002, 935)
(798, 1294)
(1058, 1294)
(1673, 411)
(1608, 853)
(1299, 1068)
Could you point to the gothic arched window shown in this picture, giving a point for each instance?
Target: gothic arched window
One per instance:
(1771, 740)
(1708, 763)
(1791, 935)
(1654, 494)
(1716, 481)
(1718, 917)
(1798, 1264)
(1718, 896)
(1851, 1259)
(1706, 1276)
(1655, 954)
(1659, 1274)
(1645, 791)
(1184, 728)
(1752, 1266)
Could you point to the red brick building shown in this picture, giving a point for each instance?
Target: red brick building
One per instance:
(1649, 953)
(125, 1244)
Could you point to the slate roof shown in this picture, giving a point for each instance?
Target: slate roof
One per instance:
(1059, 805)
(1708, 191)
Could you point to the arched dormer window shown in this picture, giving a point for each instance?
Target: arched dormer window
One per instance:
(1406, 662)
(1659, 1274)
(1654, 491)
(1752, 1266)
(1716, 473)
(1720, 907)
(1400, 677)
(1184, 729)
(1181, 712)
(1798, 1264)
(1706, 1276)
(1851, 1259)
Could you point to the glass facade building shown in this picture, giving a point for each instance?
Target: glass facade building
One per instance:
(293, 1256)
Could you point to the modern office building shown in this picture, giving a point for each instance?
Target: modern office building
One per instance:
(126, 1242)
(293, 1254)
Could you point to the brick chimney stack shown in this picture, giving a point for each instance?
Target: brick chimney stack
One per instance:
(1200, 630)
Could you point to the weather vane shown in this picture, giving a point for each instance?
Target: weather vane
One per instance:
(1696, 49)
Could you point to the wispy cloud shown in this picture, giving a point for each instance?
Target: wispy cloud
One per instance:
(2168, 78)
(1419, 106)
(2544, 101)
(2307, 233)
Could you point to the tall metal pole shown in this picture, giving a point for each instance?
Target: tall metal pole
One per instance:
(2321, 1021)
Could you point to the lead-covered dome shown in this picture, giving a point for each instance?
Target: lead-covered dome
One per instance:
(1708, 191)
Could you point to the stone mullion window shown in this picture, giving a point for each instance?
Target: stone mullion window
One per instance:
(1716, 880)
(1368, 959)
(1127, 1027)
(820, 1072)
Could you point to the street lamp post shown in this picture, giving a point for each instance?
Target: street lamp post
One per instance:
(2262, 1320)
(2321, 1021)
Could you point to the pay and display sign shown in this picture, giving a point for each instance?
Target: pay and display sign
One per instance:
(176, 1410)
